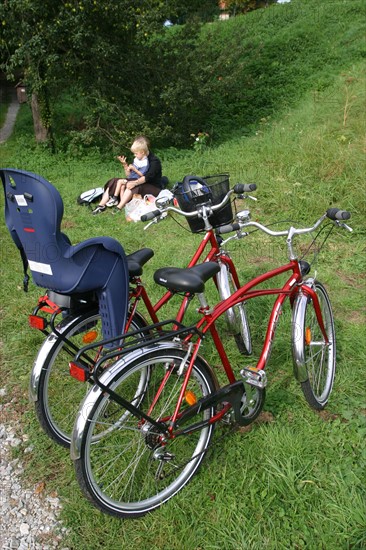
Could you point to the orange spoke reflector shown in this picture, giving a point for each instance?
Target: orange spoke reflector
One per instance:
(190, 397)
(90, 337)
(307, 336)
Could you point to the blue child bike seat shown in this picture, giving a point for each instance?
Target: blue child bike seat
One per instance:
(33, 214)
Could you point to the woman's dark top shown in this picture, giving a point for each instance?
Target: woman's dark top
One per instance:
(153, 183)
(154, 172)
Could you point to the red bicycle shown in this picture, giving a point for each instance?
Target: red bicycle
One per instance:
(53, 390)
(144, 428)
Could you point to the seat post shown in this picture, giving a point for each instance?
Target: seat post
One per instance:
(205, 308)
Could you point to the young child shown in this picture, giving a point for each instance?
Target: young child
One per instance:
(133, 171)
(150, 183)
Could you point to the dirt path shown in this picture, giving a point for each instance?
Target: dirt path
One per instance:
(11, 115)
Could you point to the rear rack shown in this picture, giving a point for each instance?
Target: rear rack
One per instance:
(131, 341)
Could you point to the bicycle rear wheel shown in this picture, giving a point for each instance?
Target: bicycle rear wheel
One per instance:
(236, 316)
(311, 351)
(130, 469)
(59, 394)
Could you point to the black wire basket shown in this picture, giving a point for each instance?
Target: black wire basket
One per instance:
(195, 191)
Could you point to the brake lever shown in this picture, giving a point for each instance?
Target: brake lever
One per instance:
(242, 196)
(156, 220)
(345, 226)
(239, 235)
(150, 223)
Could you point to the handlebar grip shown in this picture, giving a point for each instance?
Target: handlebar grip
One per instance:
(150, 215)
(227, 228)
(337, 214)
(244, 188)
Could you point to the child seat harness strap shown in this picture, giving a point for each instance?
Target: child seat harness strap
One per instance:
(25, 269)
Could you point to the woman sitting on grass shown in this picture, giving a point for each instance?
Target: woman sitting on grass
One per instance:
(143, 177)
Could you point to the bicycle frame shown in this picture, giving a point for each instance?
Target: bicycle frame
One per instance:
(164, 389)
(207, 250)
(228, 396)
(207, 324)
(139, 292)
(239, 393)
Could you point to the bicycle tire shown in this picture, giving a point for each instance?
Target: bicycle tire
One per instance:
(311, 352)
(59, 395)
(125, 473)
(236, 316)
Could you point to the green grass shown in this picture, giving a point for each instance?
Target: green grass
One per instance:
(296, 479)
(257, 65)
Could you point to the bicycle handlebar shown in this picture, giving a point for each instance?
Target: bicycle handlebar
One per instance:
(238, 189)
(244, 188)
(337, 214)
(150, 215)
(229, 228)
(334, 214)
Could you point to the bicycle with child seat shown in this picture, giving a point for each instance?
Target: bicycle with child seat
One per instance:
(144, 428)
(53, 389)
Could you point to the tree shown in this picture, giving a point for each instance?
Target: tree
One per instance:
(25, 53)
(107, 53)
(89, 43)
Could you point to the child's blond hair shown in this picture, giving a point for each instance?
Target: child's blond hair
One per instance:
(140, 144)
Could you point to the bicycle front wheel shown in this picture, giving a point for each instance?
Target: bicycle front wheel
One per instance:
(236, 316)
(127, 468)
(59, 394)
(311, 351)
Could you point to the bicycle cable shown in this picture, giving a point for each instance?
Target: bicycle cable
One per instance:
(319, 249)
(180, 224)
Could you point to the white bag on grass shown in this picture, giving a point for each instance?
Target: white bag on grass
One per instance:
(91, 196)
(139, 206)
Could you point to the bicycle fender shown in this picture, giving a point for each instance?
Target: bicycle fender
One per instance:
(298, 314)
(106, 378)
(38, 365)
(46, 348)
(41, 357)
(224, 290)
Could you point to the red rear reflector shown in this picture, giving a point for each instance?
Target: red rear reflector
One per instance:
(29, 230)
(79, 372)
(37, 322)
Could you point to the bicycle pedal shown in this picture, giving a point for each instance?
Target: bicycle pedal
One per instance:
(254, 377)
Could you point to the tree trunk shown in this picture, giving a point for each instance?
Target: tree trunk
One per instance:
(40, 131)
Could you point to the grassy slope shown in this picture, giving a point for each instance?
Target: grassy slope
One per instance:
(256, 65)
(297, 478)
